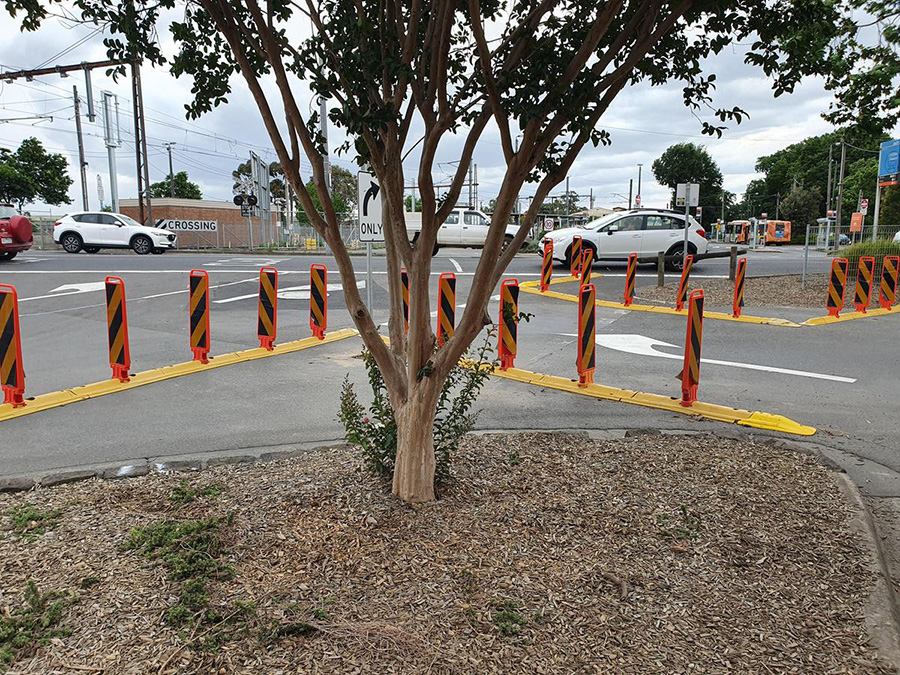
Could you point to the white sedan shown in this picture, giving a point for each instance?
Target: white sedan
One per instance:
(646, 232)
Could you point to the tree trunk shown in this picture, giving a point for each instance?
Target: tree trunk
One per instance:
(415, 463)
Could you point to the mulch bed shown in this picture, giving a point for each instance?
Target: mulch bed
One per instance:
(781, 291)
(547, 553)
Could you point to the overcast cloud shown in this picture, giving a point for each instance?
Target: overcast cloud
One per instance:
(642, 122)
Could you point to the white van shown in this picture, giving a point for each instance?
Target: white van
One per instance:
(464, 228)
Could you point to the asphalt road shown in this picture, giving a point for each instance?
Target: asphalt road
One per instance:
(846, 384)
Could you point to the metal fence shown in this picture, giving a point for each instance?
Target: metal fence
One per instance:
(826, 241)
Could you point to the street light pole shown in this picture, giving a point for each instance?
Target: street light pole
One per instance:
(171, 171)
(640, 168)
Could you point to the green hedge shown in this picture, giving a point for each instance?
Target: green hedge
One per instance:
(876, 249)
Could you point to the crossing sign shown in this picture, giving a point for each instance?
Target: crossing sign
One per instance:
(368, 193)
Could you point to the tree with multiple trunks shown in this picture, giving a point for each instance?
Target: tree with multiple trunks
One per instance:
(180, 187)
(406, 81)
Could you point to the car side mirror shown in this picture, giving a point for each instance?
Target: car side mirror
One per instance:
(612, 228)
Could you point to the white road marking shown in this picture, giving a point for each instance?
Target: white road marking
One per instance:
(246, 261)
(455, 264)
(73, 289)
(646, 346)
(290, 293)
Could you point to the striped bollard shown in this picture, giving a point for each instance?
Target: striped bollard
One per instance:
(681, 298)
(267, 324)
(117, 329)
(586, 335)
(834, 303)
(890, 270)
(198, 313)
(446, 316)
(630, 275)
(739, 275)
(690, 375)
(507, 343)
(547, 267)
(404, 291)
(864, 273)
(318, 300)
(587, 264)
(12, 373)
(575, 256)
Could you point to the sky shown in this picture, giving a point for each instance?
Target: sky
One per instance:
(642, 122)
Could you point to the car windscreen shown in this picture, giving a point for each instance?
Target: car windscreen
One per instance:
(128, 221)
(7, 211)
(600, 222)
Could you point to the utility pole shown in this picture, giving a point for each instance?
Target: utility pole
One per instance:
(145, 213)
(476, 187)
(639, 199)
(630, 186)
(828, 193)
(567, 198)
(111, 138)
(777, 204)
(323, 115)
(82, 165)
(840, 197)
(724, 197)
(171, 171)
(591, 202)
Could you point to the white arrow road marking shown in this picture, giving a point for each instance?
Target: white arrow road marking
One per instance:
(455, 264)
(646, 346)
(70, 289)
(291, 292)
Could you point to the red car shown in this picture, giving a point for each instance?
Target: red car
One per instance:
(15, 233)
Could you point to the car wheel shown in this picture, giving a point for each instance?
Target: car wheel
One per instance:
(8, 255)
(71, 242)
(91, 249)
(158, 251)
(677, 263)
(507, 242)
(141, 245)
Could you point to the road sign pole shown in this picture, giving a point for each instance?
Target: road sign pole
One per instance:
(877, 209)
(687, 215)
(369, 276)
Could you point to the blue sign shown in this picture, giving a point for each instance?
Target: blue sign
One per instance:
(889, 159)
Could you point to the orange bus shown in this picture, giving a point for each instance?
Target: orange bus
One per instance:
(778, 232)
(738, 231)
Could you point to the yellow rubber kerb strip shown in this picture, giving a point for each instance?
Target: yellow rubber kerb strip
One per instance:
(75, 394)
(720, 413)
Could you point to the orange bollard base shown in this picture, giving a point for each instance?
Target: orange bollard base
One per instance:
(833, 311)
(507, 361)
(584, 379)
(120, 373)
(737, 313)
(679, 306)
(318, 332)
(544, 288)
(14, 397)
(688, 396)
(267, 343)
(885, 305)
(201, 354)
(861, 308)
(628, 301)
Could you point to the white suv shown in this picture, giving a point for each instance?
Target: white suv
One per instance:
(93, 230)
(646, 232)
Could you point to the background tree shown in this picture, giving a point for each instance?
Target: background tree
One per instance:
(691, 163)
(557, 205)
(406, 76)
(801, 206)
(276, 178)
(184, 188)
(343, 185)
(31, 173)
(860, 178)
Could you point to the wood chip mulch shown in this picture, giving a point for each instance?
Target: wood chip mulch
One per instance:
(547, 553)
(780, 291)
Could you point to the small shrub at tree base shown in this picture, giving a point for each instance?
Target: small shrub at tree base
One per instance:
(876, 249)
(376, 432)
(33, 625)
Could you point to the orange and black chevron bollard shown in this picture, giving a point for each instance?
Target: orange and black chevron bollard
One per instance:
(681, 298)
(630, 275)
(446, 315)
(740, 274)
(547, 266)
(404, 290)
(117, 329)
(586, 334)
(508, 339)
(864, 273)
(690, 375)
(890, 270)
(12, 373)
(575, 256)
(318, 300)
(198, 314)
(267, 325)
(835, 300)
(587, 265)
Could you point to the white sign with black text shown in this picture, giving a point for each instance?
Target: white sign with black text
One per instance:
(188, 225)
(369, 205)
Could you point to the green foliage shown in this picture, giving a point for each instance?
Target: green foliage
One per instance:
(684, 526)
(877, 249)
(376, 433)
(188, 548)
(691, 163)
(183, 188)
(557, 205)
(184, 493)
(276, 178)
(801, 207)
(508, 619)
(30, 521)
(31, 173)
(34, 624)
